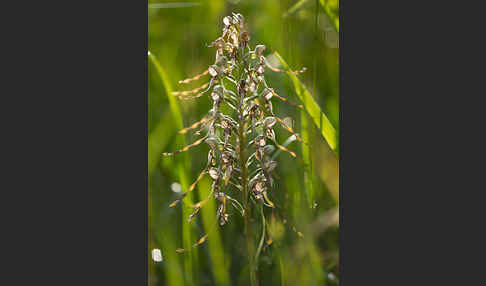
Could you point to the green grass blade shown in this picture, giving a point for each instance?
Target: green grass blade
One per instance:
(174, 274)
(158, 141)
(331, 8)
(174, 105)
(187, 236)
(311, 107)
(295, 7)
(306, 129)
(219, 260)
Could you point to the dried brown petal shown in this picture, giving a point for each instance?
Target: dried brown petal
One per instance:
(191, 216)
(245, 37)
(200, 241)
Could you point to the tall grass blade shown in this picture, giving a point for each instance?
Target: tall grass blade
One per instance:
(306, 129)
(311, 107)
(219, 260)
(174, 274)
(174, 106)
(188, 237)
(158, 141)
(295, 8)
(331, 7)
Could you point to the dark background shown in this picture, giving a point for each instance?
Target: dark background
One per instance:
(74, 177)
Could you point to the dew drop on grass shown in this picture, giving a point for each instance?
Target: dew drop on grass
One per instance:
(176, 187)
(156, 255)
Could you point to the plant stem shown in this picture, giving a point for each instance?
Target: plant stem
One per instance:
(260, 245)
(244, 179)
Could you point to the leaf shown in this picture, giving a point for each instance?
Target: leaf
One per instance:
(306, 131)
(158, 141)
(331, 8)
(174, 106)
(311, 107)
(218, 257)
(295, 7)
(332, 11)
(180, 165)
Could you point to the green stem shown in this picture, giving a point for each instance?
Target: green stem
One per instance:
(262, 239)
(244, 179)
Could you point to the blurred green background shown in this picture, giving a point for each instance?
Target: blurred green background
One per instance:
(305, 33)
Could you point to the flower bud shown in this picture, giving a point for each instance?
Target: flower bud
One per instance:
(226, 157)
(245, 37)
(221, 60)
(239, 17)
(259, 50)
(260, 187)
(214, 70)
(213, 173)
(262, 142)
(270, 133)
(217, 93)
(269, 122)
(213, 142)
(260, 69)
(227, 21)
(268, 93)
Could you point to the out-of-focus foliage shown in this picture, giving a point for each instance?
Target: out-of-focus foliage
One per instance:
(311, 107)
(306, 196)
